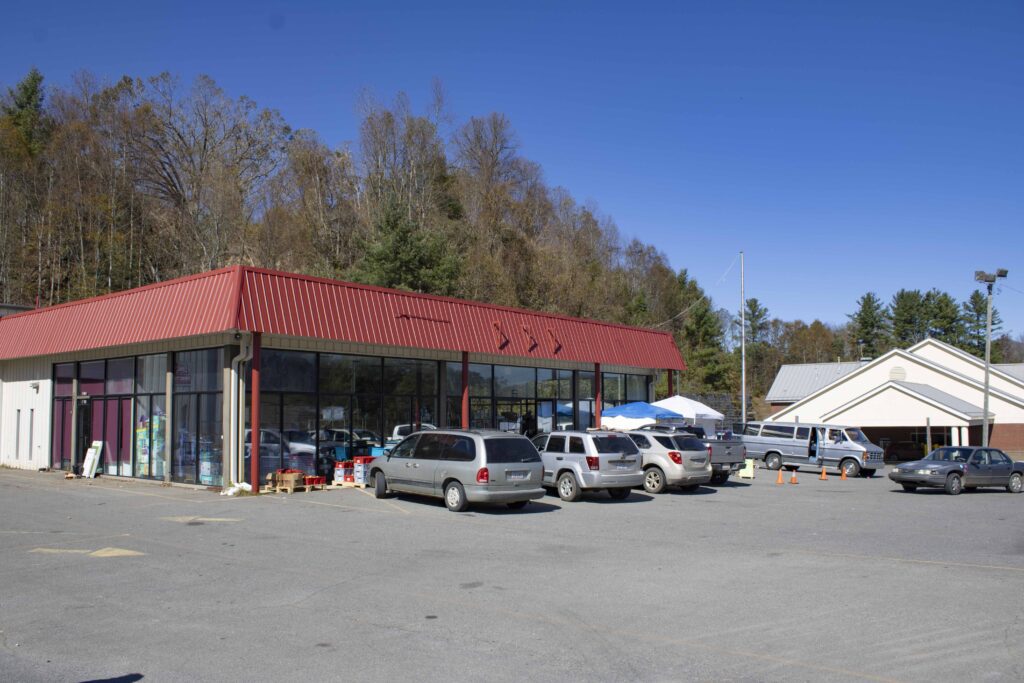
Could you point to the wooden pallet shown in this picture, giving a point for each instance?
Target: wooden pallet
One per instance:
(292, 488)
(347, 485)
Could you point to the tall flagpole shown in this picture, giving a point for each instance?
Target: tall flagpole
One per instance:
(743, 346)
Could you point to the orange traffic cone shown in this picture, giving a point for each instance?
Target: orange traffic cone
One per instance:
(842, 475)
(823, 476)
(779, 480)
(792, 480)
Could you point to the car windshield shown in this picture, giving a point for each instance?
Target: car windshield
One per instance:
(854, 434)
(613, 443)
(948, 455)
(511, 450)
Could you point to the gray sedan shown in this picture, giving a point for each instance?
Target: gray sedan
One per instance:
(956, 468)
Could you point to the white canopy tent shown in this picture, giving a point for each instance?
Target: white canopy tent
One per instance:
(695, 412)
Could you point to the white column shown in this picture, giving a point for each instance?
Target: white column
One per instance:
(965, 436)
(954, 436)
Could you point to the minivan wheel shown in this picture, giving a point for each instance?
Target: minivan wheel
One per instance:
(850, 467)
(380, 485)
(954, 484)
(1016, 483)
(619, 494)
(773, 461)
(455, 497)
(568, 489)
(654, 480)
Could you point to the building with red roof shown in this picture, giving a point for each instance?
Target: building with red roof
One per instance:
(173, 380)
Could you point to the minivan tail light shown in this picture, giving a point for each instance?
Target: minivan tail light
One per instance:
(676, 456)
(709, 451)
(593, 462)
(483, 476)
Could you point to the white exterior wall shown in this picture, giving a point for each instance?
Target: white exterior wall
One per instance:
(893, 408)
(873, 376)
(34, 403)
(968, 365)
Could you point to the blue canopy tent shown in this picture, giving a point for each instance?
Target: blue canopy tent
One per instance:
(640, 411)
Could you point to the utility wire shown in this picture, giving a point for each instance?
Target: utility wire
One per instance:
(701, 297)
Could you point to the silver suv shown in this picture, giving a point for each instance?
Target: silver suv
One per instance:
(462, 467)
(678, 459)
(574, 461)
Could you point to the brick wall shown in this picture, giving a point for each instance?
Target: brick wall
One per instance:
(1009, 438)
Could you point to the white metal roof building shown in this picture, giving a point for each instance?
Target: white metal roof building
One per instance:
(904, 395)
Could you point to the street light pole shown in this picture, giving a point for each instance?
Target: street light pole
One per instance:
(989, 279)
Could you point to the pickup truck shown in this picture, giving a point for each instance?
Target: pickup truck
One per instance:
(727, 455)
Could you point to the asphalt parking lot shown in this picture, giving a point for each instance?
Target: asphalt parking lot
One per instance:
(825, 580)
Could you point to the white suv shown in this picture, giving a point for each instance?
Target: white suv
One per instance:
(574, 461)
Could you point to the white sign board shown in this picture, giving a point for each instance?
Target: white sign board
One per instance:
(92, 459)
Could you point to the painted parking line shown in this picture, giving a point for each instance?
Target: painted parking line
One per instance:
(185, 519)
(910, 560)
(102, 552)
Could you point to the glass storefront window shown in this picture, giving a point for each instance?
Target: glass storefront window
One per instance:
(90, 378)
(547, 383)
(210, 440)
(366, 416)
(366, 375)
(428, 377)
(288, 371)
(517, 382)
(183, 457)
(298, 432)
(636, 388)
(199, 370)
(335, 374)
(584, 384)
(120, 372)
(480, 414)
(565, 384)
(151, 374)
(64, 375)
(479, 380)
(400, 376)
(613, 388)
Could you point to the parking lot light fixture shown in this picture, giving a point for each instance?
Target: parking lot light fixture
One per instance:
(988, 279)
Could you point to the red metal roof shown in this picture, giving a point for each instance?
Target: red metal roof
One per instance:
(302, 306)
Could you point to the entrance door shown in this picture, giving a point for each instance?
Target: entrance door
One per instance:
(518, 415)
(84, 432)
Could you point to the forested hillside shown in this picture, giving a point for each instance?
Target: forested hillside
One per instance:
(104, 187)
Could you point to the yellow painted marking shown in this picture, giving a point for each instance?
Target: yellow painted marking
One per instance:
(185, 519)
(115, 552)
(55, 551)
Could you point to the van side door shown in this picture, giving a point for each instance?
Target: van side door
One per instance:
(831, 446)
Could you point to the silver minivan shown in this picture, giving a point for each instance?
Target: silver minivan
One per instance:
(576, 461)
(462, 467)
(822, 446)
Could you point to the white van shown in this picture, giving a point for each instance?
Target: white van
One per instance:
(821, 446)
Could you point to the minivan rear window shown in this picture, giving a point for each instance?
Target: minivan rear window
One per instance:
(510, 450)
(615, 444)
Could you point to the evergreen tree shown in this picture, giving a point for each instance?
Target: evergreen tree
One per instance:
(404, 256)
(975, 313)
(909, 319)
(757, 321)
(24, 112)
(945, 322)
(871, 325)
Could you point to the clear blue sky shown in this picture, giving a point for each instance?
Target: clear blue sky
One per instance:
(844, 146)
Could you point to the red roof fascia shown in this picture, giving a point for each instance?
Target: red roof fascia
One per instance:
(197, 304)
(304, 306)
